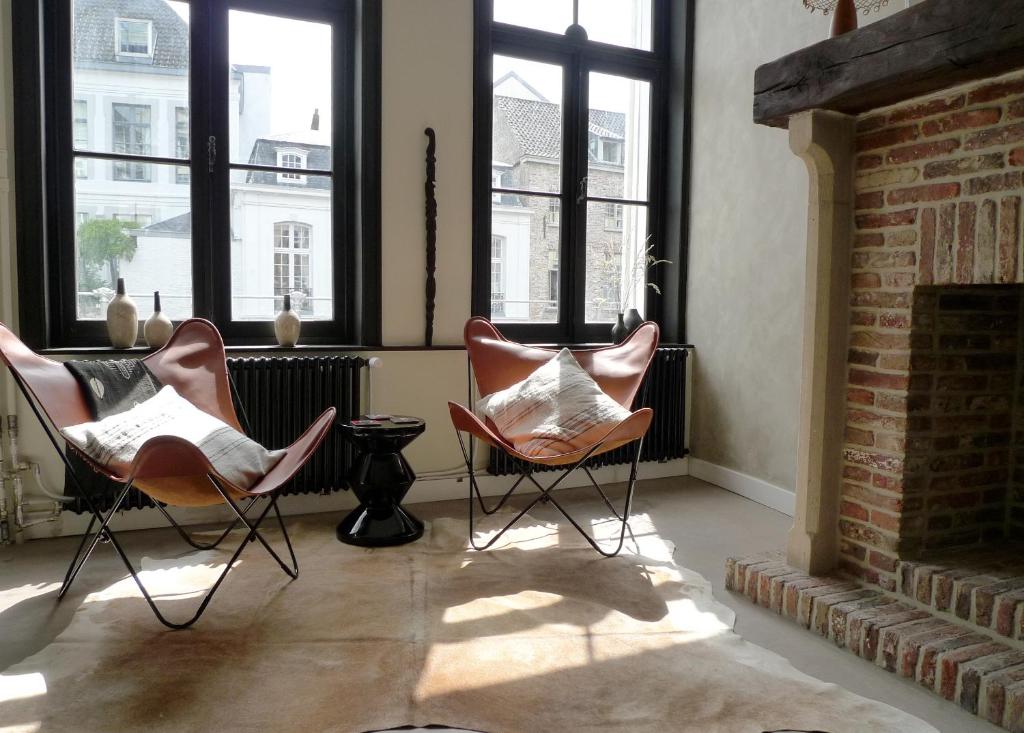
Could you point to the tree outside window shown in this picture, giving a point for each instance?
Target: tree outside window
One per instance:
(102, 245)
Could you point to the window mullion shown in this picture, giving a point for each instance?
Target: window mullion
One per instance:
(576, 257)
(217, 249)
(199, 177)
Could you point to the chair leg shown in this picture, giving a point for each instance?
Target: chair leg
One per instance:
(474, 488)
(81, 557)
(188, 537)
(546, 495)
(252, 534)
(293, 571)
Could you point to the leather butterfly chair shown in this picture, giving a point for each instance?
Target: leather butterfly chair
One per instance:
(168, 469)
(498, 363)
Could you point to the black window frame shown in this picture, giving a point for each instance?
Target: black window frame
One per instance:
(44, 175)
(668, 68)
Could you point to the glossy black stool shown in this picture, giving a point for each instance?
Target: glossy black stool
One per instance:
(380, 478)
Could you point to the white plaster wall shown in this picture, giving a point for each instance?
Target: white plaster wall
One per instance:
(747, 234)
(427, 81)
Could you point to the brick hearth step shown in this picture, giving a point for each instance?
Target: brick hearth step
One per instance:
(918, 632)
(984, 588)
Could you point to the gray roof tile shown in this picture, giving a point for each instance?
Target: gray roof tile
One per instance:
(537, 126)
(94, 31)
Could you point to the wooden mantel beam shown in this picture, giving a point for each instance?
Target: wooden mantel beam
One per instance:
(931, 46)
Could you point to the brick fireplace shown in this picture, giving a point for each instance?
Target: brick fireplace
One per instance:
(908, 530)
(934, 417)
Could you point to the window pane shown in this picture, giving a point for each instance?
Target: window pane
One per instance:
(130, 66)
(545, 15)
(280, 113)
(181, 142)
(616, 260)
(619, 137)
(621, 22)
(132, 230)
(524, 258)
(279, 88)
(527, 126)
(281, 243)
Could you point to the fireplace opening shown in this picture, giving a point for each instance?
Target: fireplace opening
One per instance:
(964, 466)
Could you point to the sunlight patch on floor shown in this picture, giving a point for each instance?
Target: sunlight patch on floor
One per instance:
(177, 578)
(12, 596)
(21, 687)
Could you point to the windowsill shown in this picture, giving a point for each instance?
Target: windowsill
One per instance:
(236, 348)
(301, 349)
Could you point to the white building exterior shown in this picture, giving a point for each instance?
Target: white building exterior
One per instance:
(137, 102)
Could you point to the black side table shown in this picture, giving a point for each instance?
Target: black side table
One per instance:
(380, 478)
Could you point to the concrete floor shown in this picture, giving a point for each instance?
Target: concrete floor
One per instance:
(706, 523)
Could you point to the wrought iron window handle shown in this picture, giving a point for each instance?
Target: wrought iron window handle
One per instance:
(582, 195)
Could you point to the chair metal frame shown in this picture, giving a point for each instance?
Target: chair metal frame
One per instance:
(91, 539)
(546, 493)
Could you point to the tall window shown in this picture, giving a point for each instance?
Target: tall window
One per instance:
(566, 94)
(497, 275)
(181, 173)
(131, 135)
(81, 135)
(613, 217)
(291, 266)
(163, 122)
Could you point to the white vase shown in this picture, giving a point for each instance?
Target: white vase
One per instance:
(158, 329)
(122, 319)
(287, 324)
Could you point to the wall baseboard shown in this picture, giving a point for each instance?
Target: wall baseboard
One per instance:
(425, 489)
(445, 489)
(755, 489)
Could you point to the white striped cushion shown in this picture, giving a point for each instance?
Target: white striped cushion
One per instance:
(557, 409)
(114, 440)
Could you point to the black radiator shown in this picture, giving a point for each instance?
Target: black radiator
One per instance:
(281, 397)
(664, 390)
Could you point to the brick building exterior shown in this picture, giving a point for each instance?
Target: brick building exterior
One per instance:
(527, 141)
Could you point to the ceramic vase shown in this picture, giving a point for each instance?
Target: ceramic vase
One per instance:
(287, 324)
(619, 330)
(158, 328)
(122, 319)
(632, 320)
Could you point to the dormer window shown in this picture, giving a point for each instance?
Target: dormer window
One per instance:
(133, 37)
(291, 159)
(605, 150)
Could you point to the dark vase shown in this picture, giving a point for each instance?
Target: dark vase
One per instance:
(844, 18)
(619, 331)
(632, 320)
